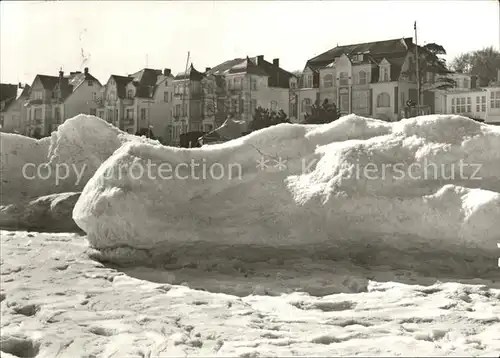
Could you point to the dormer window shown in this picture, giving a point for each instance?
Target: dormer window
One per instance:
(384, 74)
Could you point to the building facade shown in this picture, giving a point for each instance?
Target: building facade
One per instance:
(54, 99)
(139, 103)
(372, 79)
(12, 109)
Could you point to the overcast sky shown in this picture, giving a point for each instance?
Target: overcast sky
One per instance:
(121, 37)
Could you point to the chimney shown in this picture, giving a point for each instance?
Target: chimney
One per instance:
(473, 82)
(167, 71)
(61, 74)
(86, 70)
(207, 69)
(260, 58)
(20, 85)
(276, 62)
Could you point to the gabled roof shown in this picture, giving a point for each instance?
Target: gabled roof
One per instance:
(7, 91)
(145, 82)
(48, 82)
(248, 66)
(121, 84)
(277, 77)
(78, 78)
(387, 48)
(191, 74)
(20, 94)
(224, 67)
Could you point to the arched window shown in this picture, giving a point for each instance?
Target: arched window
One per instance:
(328, 81)
(306, 105)
(383, 100)
(362, 78)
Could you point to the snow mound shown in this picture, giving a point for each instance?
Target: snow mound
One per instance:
(62, 163)
(51, 213)
(426, 184)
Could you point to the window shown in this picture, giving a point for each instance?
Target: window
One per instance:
(293, 109)
(234, 105)
(293, 84)
(94, 96)
(306, 105)
(254, 84)
(384, 76)
(185, 110)
(38, 95)
(344, 79)
(362, 78)
(453, 106)
(495, 99)
(478, 104)
(144, 114)
(93, 112)
(165, 96)
(469, 105)
(483, 104)
(307, 81)
(177, 111)
(360, 100)
(328, 81)
(90, 82)
(130, 94)
(129, 114)
(274, 105)
(383, 100)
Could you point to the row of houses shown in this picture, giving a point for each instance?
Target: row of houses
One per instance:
(374, 79)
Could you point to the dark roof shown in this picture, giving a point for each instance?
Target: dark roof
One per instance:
(248, 66)
(224, 67)
(121, 84)
(230, 129)
(48, 82)
(387, 49)
(278, 77)
(191, 74)
(78, 78)
(7, 91)
(25, 92)
(20, 93)
(145, 82)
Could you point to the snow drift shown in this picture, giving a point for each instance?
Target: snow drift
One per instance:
(62, 163)
(426, 183)
(51, 213)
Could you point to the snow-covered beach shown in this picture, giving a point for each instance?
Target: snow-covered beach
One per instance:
(275, 263)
